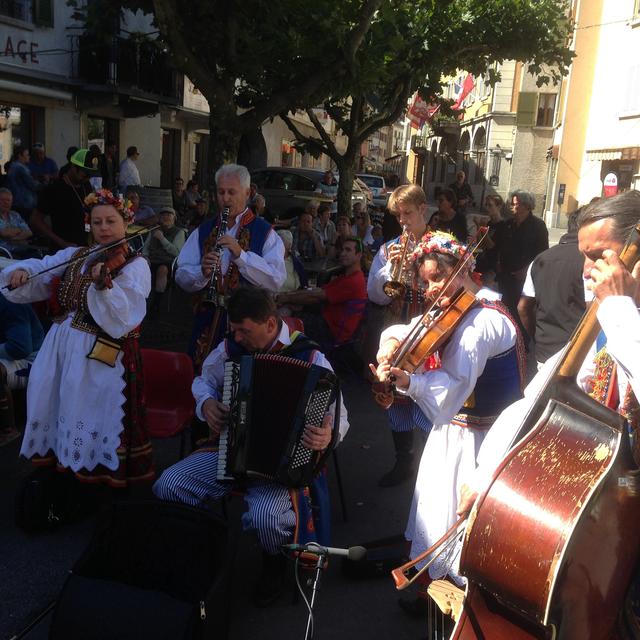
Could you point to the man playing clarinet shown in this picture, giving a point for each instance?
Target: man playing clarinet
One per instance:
(279, 515)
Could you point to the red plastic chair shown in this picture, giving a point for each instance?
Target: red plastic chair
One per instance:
(170, 405)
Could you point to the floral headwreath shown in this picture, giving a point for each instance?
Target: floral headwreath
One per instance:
(104, 196)
(441, 242)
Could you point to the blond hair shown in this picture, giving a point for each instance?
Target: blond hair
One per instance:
(407, 194)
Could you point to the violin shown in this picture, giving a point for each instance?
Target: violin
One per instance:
(114, 259)
(435, 327)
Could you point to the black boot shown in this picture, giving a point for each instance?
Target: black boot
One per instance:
(271, 581)
(403, 468)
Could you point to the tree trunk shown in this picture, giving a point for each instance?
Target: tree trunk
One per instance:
(345, 185)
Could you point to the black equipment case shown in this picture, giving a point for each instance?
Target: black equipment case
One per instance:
(152, 570)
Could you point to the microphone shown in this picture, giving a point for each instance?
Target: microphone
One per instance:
(352, 553)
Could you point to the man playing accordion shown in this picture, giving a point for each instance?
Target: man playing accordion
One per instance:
(279, 514)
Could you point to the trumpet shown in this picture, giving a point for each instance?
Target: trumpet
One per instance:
(394, 287)
(211, 297)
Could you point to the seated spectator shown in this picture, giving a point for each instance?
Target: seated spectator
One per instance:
(325, 227)
(259, 205)
(42, 168)
(362, 227)
(162, 248)
(335, 324)
(296, 275)
(447, 218)
(343, 232)
(313, 207)
(142, 214)
(179, 196)
(14, 231)
(21, 336)
(198, 214)
(307, 243)
(21, 183)
(193, 194)
(378, 238)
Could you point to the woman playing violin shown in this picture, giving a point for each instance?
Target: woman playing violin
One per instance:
(480, 374)
(83, 398)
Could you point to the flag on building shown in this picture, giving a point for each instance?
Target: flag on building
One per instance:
(421, 111)
(463, 89)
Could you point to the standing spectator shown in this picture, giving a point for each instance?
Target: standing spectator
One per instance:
(463, 191)
(42, 168)
(306, 240)
(552, 300)
(162, 247)
(487, 260)
(447, 218)
(518, 241)
(193, 194)
(96, 181)
(198, 215)
(21, 336)
(21, 183)
(253, 192)
(325, 227)
(378, 238)
(65, 167)
(129, 174)
(179, 196)
(142, 214)
(14, 231)
(109, 166)
(329, 189)
(63, 202)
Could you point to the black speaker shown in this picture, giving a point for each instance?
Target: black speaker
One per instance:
(152, 570)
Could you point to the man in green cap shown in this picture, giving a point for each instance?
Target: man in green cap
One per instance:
(62, 201)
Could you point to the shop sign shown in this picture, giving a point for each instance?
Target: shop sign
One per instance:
(18, 48)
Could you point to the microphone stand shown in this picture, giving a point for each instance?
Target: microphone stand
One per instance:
(321, 563)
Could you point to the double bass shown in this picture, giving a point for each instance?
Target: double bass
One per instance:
(551, 544)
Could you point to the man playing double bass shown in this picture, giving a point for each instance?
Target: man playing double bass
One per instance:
(611, 371)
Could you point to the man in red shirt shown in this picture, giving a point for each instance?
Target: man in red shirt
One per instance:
(342, 300)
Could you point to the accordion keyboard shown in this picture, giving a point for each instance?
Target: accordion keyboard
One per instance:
(313, 415)
(231, 372)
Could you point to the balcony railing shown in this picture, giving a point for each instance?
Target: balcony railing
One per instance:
(129, 64)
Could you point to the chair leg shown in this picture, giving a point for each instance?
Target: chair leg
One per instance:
(343, 502)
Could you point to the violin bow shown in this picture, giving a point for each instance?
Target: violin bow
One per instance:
(98, 249)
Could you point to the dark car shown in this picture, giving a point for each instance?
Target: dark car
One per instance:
(288, 190)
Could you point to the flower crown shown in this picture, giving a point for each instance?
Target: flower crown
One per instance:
(441, 242)
(104, 196)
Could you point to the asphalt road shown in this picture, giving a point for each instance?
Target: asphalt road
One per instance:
(33, 567)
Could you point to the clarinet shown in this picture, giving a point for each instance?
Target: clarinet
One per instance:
(211, 297)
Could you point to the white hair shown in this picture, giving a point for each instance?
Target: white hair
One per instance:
(286, 237)
(239, 171)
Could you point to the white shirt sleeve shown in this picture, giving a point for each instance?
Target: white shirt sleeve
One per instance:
(528, 288)
(122, 308)
(343, 427)
(38, 288)
(268, 270)
(440, 393)
(206, 385)
(189, 270)
(378, 275)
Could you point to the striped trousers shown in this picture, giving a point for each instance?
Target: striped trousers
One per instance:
(405, 416)
(193, 481)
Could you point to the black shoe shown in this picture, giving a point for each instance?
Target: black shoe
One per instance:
(271, 582)
(401, 472)
(414, 607)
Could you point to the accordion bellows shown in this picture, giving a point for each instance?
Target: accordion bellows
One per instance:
(272, 399)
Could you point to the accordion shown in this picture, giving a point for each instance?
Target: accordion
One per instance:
(271, 400)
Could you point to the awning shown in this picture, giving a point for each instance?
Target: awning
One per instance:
(624, 153)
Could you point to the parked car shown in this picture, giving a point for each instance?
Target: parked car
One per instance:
(378, 188)
(288, 190)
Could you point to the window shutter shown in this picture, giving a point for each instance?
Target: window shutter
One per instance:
(527, 109)
(44, 13)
